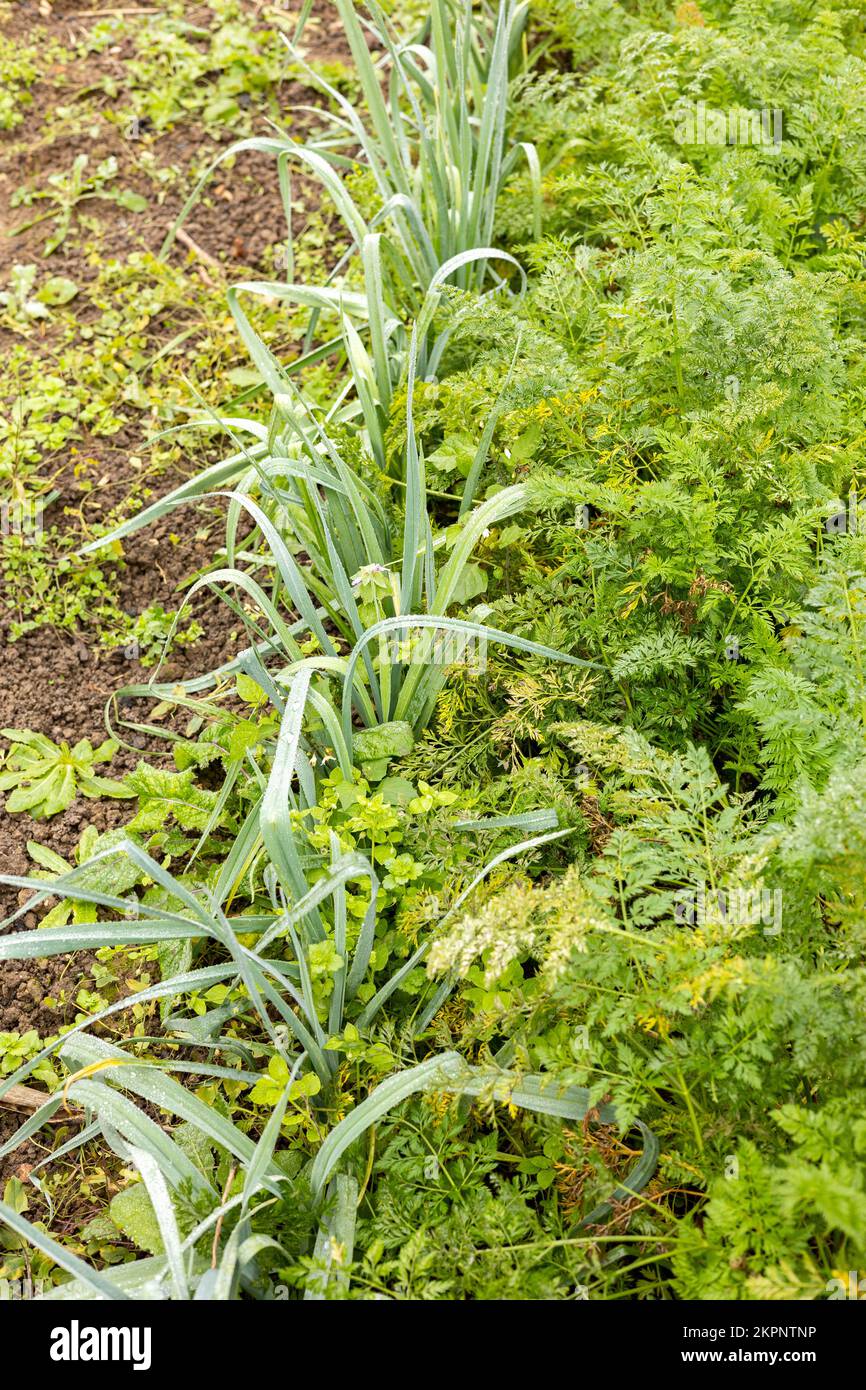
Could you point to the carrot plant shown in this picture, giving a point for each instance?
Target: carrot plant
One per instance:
(594, 406)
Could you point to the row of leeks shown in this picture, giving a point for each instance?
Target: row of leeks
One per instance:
(433, 135)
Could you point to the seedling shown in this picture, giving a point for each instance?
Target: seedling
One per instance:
(23, 303)
(67, 191)
(46, 778)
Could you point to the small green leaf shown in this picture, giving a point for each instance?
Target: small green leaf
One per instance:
(57, 289)
(132, 1213)
(397, 791)
(394, 740)
(133, 202)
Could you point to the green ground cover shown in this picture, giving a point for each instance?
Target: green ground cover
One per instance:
(497, 928)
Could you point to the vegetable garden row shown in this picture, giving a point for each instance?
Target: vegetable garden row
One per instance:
(501, 901)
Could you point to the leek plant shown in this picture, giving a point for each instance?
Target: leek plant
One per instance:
(315, 504)
(433, 137)
(102, 1077)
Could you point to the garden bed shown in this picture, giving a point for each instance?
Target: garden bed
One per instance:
(460, 897)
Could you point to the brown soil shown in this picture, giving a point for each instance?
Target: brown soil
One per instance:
(55, 682)
(236, 220)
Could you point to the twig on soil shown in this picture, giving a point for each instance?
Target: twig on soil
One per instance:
(96, 14)
(219, 1225)
(25, 1098)
(186, 240)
